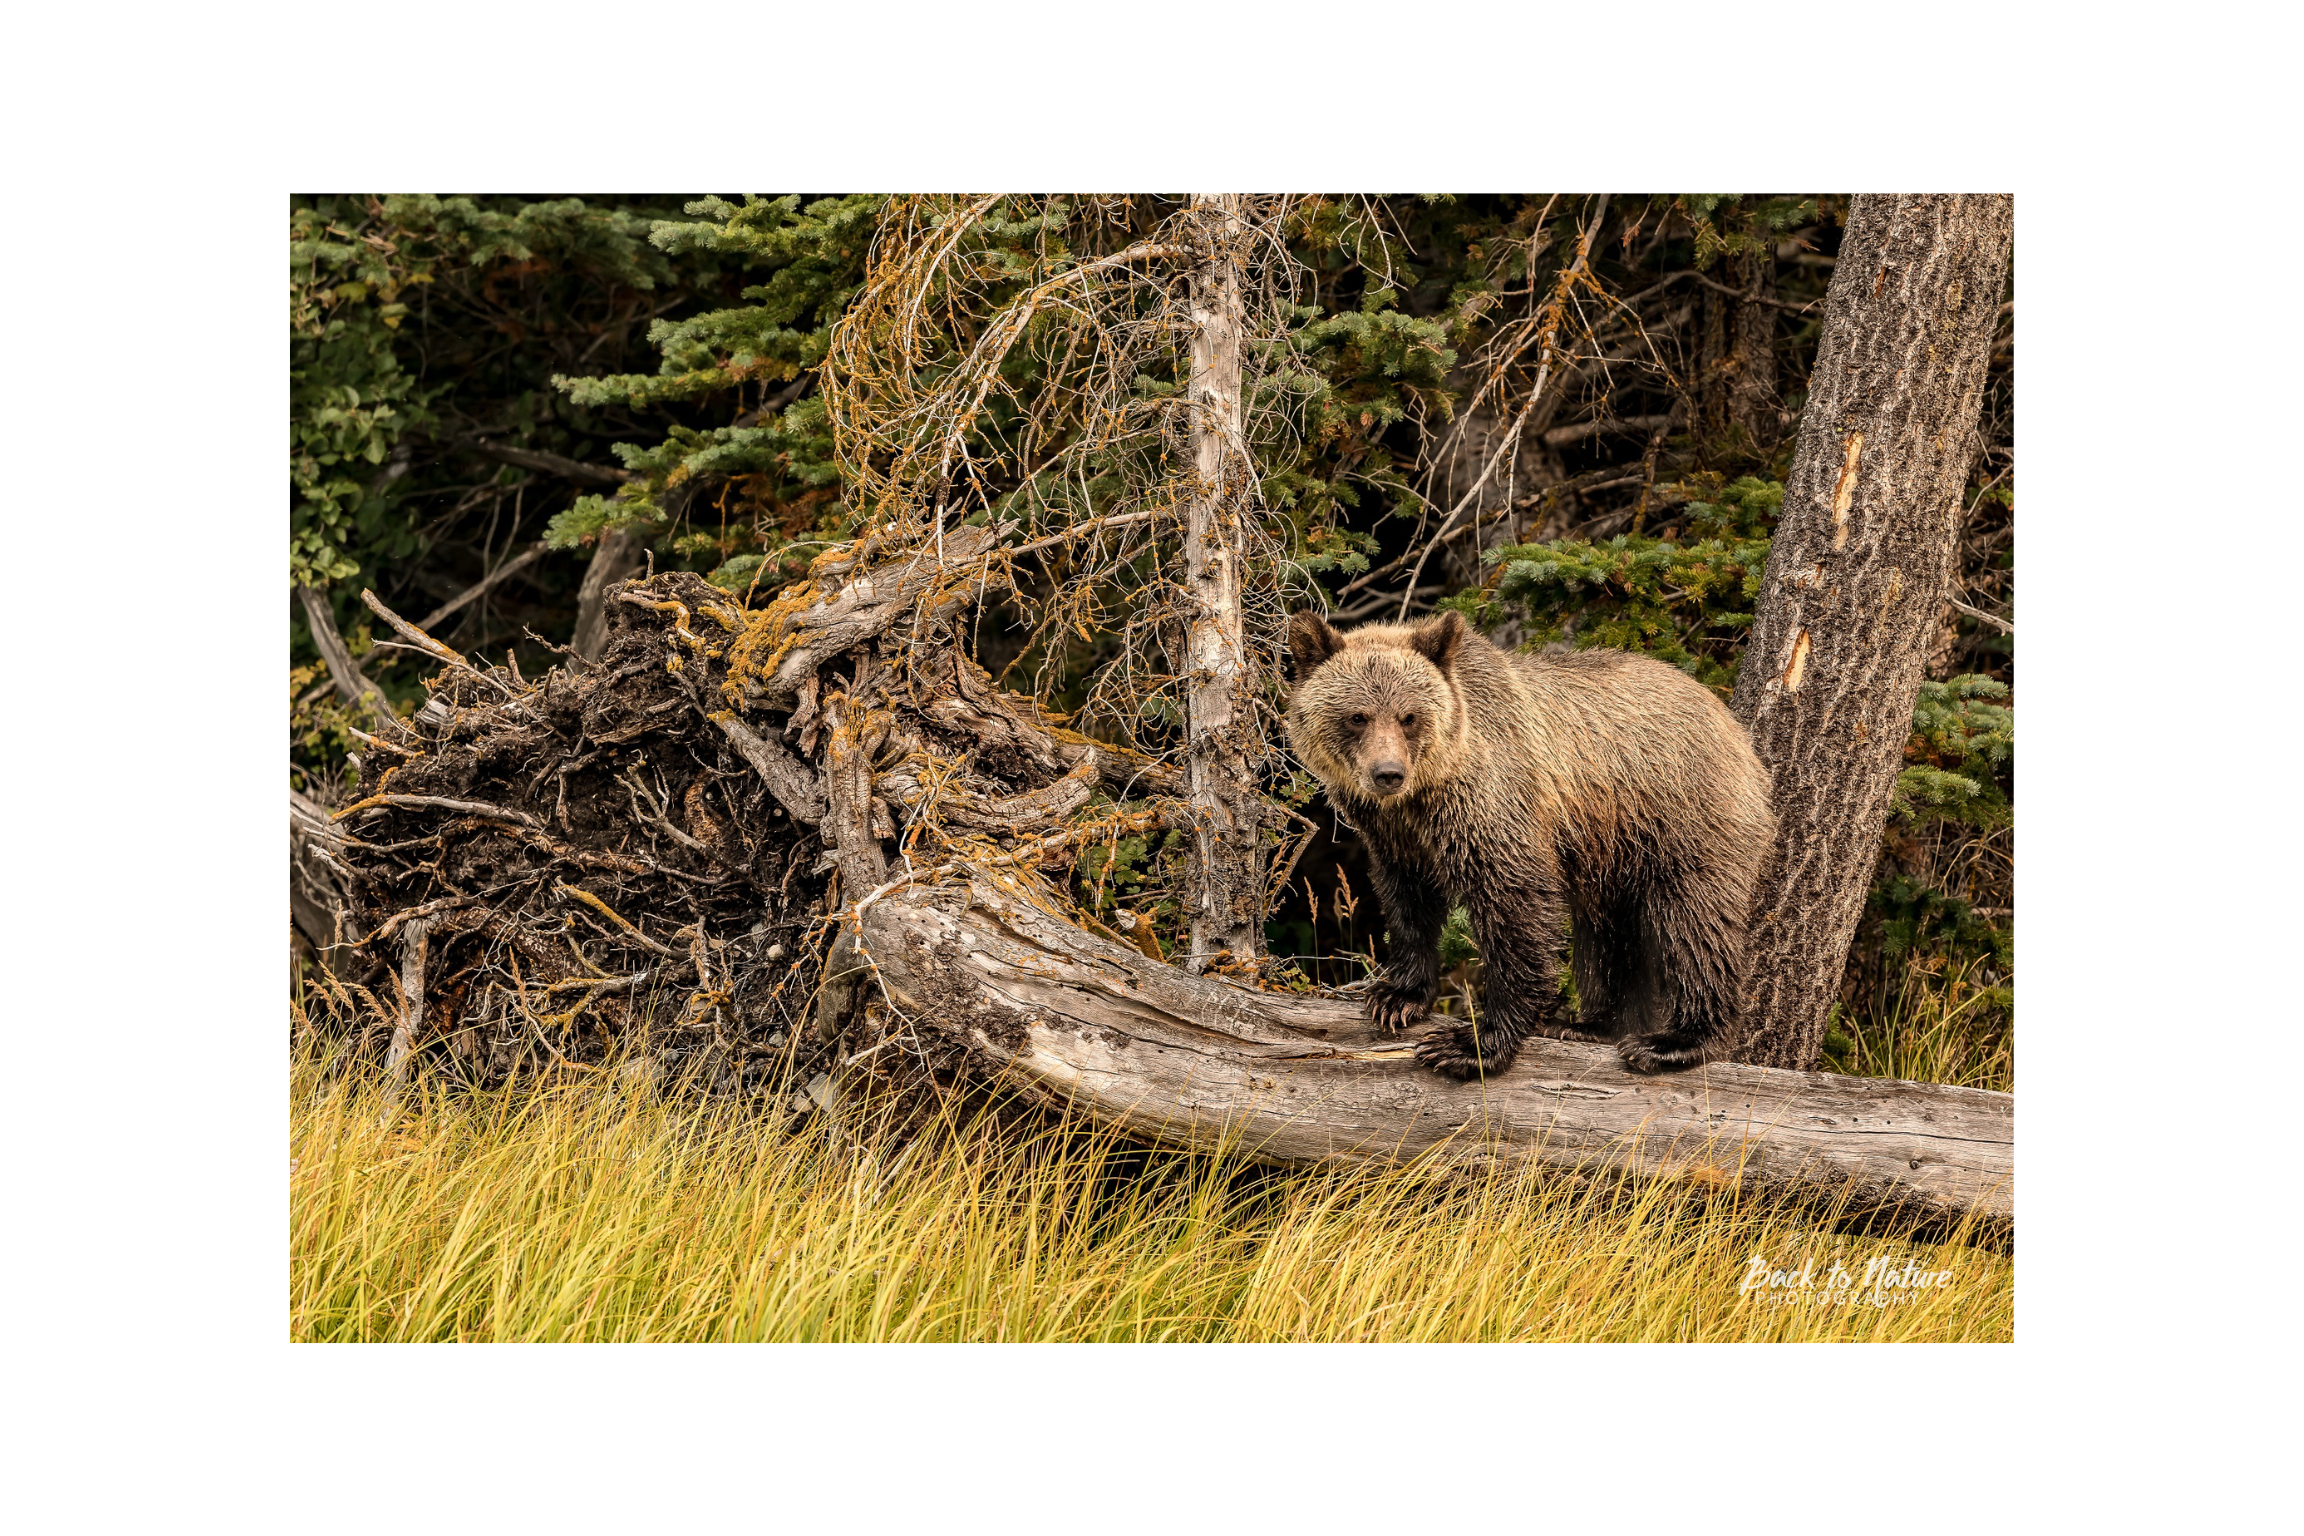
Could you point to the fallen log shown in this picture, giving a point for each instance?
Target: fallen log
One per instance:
(1079, 1021)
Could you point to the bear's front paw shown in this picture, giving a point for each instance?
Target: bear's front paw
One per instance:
(1668, 1052)
(1458, 1052)
(1393, 1008)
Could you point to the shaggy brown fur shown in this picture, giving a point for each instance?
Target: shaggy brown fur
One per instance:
(1595, 786)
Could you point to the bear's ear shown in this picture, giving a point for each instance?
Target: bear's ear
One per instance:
(1438, 640)
(1311, 641)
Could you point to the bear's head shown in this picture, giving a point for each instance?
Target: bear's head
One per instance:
(1376, 712)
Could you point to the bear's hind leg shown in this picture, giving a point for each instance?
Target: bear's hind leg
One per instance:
(1695, 954)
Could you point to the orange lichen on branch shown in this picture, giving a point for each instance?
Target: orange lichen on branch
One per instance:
(679, 612)
(769, 635)
(601, 907)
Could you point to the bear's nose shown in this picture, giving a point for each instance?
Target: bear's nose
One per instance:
(1388, 776)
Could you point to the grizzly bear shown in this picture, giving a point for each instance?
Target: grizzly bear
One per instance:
(1595, 796)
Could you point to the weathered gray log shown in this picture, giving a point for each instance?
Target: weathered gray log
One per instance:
(1077, 1020)
(1861, 564)
(1033, 813)
(415, 945)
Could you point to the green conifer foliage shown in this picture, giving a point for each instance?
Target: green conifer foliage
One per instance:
(1683, 602)
(1962, 755)
(772, 479)
(421, 327)
(349, 398)
(367, 366)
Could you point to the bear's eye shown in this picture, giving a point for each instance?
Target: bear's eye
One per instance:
(1359, 720)
(1408, 722)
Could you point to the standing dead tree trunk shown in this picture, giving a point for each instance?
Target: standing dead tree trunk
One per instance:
(617, 557)
(1225, 885)
(352, 684)
(1860, 565)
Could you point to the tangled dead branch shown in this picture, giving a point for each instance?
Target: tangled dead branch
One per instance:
(643, 858)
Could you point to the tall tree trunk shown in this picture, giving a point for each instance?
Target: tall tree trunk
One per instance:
(1225, 886)
(1862, 561)
(617, 557)
(1752, 353)
(1712, 367)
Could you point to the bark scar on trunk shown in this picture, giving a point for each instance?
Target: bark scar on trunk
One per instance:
(1797, 667)
(1844, 492)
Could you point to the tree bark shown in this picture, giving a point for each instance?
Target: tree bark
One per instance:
(1712, 365)
(1752, 353)
(1076, 1019)
(1225, 887)
(1862, 561)
(617, 557)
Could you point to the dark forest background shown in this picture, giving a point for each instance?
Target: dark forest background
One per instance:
(492, 396)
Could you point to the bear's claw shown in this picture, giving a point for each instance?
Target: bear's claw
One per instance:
(1393, 1009)
(1669, 1052)
(1457, 1052)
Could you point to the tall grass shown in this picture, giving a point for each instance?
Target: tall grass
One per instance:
(1939, 1026)
(587, 1212)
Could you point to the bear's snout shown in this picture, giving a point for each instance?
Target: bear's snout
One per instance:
(1388, 776)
